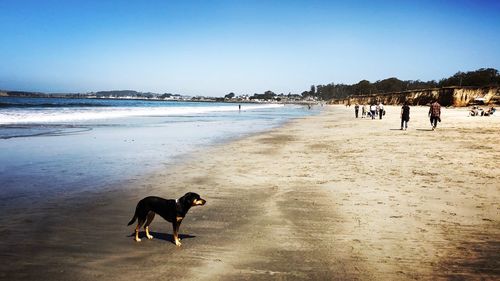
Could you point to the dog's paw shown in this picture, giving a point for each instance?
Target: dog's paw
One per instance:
(137, 239)
(178, 243)
(150, 237)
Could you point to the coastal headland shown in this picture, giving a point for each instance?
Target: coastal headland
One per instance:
(325, 197)
(447, 96)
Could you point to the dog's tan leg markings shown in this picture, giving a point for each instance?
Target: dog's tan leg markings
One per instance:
(137, 228)
(149, 236)
(177, 239)
(151, 216)
(176, 226)
(137, 239)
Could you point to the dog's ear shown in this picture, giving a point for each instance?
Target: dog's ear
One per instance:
(192, 196)
(187, 198)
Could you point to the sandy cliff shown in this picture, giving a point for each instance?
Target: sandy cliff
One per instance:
(449, 96)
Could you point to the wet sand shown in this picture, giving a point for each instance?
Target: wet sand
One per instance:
(326, 197)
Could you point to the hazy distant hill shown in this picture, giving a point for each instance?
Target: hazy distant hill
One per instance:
(100, 94)
(124, 94)
(22, 94)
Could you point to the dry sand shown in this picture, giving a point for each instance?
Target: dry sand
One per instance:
(326, 197)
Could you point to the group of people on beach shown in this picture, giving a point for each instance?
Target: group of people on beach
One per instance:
(378, 110)
(477, 111)
(375, 110)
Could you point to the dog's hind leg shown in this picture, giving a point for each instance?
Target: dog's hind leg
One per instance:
(140, 221)
(151, 216)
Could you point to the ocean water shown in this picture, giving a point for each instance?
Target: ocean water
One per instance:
(50, 146)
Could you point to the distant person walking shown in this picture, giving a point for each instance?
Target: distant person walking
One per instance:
(363, 111)
(435, 114)
(405, 115)
(373, 109)
(381, 110)
(356, 110)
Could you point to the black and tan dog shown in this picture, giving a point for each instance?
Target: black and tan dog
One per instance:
(171, 210)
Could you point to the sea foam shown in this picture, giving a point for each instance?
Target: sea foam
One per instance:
(77, 114)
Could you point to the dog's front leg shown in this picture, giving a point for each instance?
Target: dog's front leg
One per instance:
(176, 225)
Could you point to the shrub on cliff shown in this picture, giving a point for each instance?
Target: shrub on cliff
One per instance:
(479, 78)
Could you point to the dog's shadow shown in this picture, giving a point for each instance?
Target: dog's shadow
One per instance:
(162, 236)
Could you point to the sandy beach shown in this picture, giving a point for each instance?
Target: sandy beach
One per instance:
(325, 197)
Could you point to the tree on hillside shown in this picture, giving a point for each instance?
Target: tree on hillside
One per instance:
(268, 95)
(364, 87)
(480, 77)
(389, 85)
(312, 92)
(417, 84)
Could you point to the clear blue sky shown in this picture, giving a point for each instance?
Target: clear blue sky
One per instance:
(215, 47)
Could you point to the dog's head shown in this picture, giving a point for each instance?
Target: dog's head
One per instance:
(193, 199)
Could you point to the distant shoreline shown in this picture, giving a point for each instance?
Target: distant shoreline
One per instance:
(462, 96)
(207, 100)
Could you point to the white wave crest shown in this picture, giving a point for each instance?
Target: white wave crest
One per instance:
(50, 115)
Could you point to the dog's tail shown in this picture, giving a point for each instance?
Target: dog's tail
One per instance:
(133, 218)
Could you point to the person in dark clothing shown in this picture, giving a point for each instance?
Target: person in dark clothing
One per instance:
(405, 116)
(356, 110)
(381, 110)
(435, 114)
